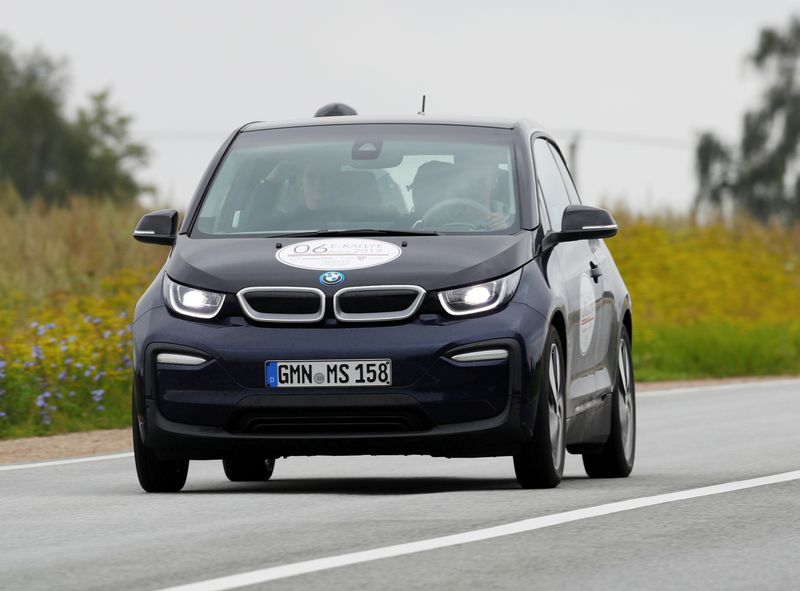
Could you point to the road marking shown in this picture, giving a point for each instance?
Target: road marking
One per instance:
(127, 454)
(718, 387)
(310, 566)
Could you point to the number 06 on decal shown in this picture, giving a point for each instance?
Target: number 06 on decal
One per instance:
(321, 374)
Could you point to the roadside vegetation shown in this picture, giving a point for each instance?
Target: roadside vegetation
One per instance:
(709, 301)
(69, 279)
(721, 299)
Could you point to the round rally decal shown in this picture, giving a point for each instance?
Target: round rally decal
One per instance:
(338, 253)
(587, 313)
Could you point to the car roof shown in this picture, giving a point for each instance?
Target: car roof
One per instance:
(499, 123)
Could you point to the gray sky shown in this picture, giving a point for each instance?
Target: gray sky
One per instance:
(190, 72)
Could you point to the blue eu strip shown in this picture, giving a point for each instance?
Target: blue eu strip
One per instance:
(272, 374)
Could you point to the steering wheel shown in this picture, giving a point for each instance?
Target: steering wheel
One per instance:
(456, 211)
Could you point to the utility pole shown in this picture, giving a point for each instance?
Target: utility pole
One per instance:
(573, 157)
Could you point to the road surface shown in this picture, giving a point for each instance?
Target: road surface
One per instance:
(87, 525)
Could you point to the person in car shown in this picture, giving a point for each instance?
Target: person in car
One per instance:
(436, 182)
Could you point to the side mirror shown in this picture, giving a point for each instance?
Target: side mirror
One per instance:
(158, 227)
(581, 222)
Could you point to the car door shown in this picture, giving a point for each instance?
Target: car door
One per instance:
(571, 270)
(606, 324)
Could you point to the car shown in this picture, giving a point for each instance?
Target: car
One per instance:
(348, 285)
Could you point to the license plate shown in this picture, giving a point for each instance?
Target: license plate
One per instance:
(327, 374)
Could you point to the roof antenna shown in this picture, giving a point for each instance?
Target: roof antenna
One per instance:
(422, 112)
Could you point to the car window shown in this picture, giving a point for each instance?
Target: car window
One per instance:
(384, 177)
(574, 198)
(554, 192)
(543, 216)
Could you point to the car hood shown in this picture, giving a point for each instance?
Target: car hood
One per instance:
(431, 262)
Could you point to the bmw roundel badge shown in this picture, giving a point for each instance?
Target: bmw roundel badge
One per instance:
(331, 278)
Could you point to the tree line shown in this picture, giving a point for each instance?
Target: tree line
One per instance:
(760, 174)
(46, 153)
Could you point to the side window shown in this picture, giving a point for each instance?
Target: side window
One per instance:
(571, 190)
(543, 217)
(554, 192)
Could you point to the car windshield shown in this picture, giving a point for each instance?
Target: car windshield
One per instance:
(362, 179)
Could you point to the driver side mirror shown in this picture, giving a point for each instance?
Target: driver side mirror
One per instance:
(158, 227)
(582, 222)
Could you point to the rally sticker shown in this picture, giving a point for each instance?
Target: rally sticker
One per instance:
(338, 253)
(588, 313)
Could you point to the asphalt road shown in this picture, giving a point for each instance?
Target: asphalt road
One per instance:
(88, 525)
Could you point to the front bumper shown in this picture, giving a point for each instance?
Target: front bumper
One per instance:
(436, 406)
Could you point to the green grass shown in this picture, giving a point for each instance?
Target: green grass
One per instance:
(715, 350)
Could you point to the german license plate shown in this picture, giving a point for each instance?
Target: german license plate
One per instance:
(327, 374)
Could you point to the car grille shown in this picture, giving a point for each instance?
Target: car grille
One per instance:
(328, 421)
(372, 303)
(282, 304)
(377, 303)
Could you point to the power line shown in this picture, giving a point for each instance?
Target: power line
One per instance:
(628, 138)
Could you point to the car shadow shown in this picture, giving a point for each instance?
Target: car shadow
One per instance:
(361, 486)
(364, 486)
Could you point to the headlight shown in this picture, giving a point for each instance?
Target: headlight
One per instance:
(481, 297)
(190, 301)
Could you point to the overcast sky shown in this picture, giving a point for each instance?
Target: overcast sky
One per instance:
(190, 72)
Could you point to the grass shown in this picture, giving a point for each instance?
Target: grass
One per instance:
(69, 279)
(709, 301)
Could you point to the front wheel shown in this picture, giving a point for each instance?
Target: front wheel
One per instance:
(540, 463)
(615, 459)
(156, 474)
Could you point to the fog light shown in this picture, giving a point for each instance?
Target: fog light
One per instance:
(485, 355)
(179, 359)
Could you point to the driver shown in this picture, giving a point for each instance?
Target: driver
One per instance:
(474, 180)
(431, 185)
(478, 180)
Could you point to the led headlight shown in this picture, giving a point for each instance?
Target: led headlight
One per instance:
(190, 301)
(481, 297)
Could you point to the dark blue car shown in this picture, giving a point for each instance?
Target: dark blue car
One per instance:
(345, 285)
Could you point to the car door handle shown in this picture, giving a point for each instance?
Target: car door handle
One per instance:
(595, 271)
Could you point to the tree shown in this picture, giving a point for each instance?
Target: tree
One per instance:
(762, 175)
(45, 153)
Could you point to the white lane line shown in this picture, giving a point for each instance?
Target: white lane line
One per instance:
(127, 454)
(309, 566)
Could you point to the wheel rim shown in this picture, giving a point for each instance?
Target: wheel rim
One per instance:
(625, 399)
(556, 406)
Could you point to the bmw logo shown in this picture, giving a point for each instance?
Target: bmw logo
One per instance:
(331, 278)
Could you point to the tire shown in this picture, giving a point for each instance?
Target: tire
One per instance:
(615, 458)
(240, 469)
(155, 474)
(540, 463)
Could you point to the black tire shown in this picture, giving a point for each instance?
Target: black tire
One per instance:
(540, 463)
(615, 458)
(241, 469)
(156, 474)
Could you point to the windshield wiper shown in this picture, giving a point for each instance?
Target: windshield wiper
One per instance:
(376, 232)
(355, 232)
